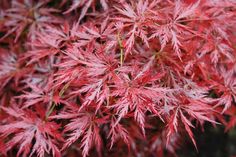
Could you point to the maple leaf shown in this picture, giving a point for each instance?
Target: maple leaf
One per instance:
(118, 131)
(226, 88)
(27, 127)
(89, 33)
(82, 124)
(8, 66)
(38, 95)
(11, 68)
(222, 50)
(26, 13)
(218, 16)
(232, 121)
(193, 104)
(200, 113)
(134, 94)
(171, 28)
(134, 19)
(49, 42)
(158, 143)
(96, 76)
(85, 5)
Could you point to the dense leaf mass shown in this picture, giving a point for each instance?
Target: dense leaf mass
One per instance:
(96, 76)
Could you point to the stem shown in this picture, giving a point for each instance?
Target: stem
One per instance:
(50, 111)
(121, 49)
(64, 89)
(60, 95)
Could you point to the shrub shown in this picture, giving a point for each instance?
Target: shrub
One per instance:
(134, 77)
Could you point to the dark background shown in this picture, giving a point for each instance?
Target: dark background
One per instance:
(213, 142)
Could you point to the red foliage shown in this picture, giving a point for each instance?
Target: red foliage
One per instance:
(84, 74)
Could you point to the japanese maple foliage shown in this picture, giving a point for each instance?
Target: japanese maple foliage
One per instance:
(98, 76)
